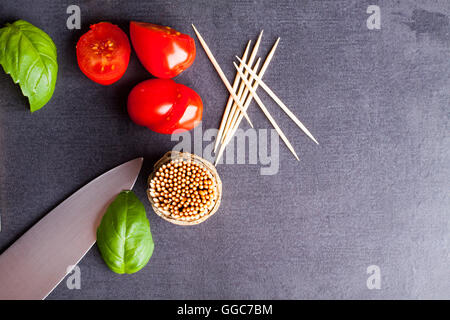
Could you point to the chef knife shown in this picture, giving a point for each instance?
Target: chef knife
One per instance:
(34, 265)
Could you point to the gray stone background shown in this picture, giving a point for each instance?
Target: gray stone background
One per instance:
(375, 191)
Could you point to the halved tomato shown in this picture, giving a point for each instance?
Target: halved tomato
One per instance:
(163, 51)
(103, 53)
(164, 106)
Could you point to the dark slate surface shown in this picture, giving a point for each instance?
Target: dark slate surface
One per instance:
(374, 192)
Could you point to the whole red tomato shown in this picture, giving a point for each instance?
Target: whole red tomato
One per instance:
(163, 51)
(103, 53)
(165, 106)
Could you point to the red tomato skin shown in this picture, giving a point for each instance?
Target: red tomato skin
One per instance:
(163, 51)
(164, 106)
(90, 62)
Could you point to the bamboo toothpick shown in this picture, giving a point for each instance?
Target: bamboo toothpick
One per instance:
(225, 139)
(221, 74)
(237, 118)
(276, 99)
(228, 134)
(242, 93)
(266, 112)
(230, 100)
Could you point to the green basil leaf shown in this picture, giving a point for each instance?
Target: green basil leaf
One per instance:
(28, 54)
(124, 236)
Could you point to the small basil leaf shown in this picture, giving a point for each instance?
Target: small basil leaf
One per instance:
(124, 236)
(28, 54)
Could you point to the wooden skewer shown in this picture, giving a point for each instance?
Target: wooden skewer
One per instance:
(241, 93)
(276, 99)
(230, 100)
(238, 116)
(266, 112)
(221, 74)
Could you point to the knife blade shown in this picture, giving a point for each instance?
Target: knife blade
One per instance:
(38, 261)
